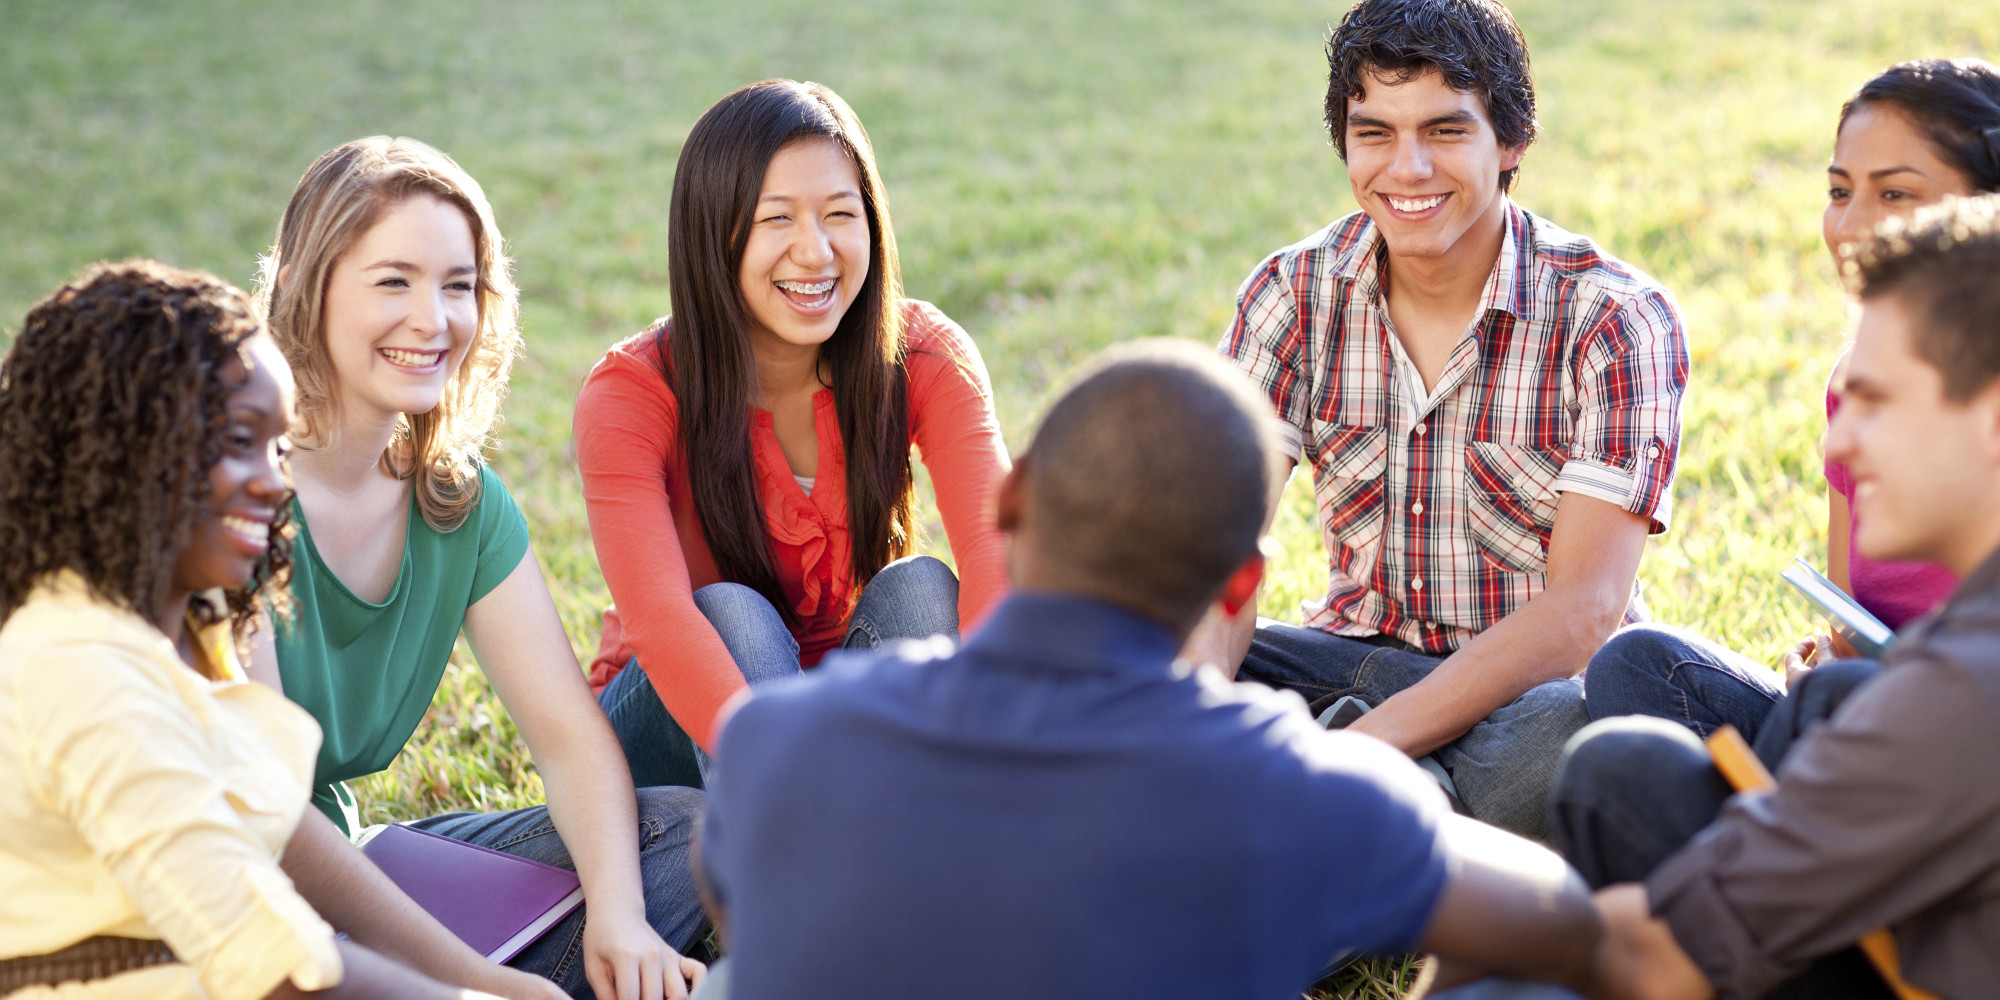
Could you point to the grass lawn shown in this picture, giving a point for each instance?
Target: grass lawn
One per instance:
(1062, 176)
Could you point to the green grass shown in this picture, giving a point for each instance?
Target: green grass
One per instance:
(1062, 176)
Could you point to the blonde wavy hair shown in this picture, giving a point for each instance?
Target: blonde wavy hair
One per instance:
(339, 199)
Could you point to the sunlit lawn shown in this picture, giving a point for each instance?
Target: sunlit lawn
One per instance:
(1062, 176)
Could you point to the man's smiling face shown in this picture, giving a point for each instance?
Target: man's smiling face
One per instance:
(1425, 163)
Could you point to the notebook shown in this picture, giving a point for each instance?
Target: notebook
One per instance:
(1862, 630)
(497, 903)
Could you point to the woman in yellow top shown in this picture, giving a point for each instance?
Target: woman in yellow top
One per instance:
(147, 791)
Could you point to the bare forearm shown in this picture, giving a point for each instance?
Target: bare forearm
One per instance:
(355, 897)
(595, 809)
(1551, 637)
(367, 975)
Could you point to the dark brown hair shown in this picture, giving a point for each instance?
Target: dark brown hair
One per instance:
(1955, 103)
(704, 348)
(1474, 44)
(1943, 268)
(112, 411)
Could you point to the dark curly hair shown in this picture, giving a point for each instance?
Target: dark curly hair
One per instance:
(1955, 103)
(1474, 44)
(112, 411)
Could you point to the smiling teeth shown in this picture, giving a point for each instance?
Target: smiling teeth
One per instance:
(246, 527)
(411, 359)
(807, 287)
(1421, 205)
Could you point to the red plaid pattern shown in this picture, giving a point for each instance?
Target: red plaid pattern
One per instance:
(1437, 521)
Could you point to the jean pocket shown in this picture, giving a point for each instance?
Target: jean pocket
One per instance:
(1511, 503)
(1349, 467)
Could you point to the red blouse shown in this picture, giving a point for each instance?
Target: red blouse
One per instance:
(649, 540)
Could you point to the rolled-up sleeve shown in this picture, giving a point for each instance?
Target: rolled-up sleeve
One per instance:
(1632, 372)
(131, 771)
(1876, 817)
(1265, 341)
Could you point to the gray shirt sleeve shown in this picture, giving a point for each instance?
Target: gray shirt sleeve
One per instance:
(1878, 814)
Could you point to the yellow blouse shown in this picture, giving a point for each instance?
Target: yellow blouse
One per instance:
(140, 799)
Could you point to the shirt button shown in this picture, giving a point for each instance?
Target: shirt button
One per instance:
(1430, 626)
(1417, 508)
(1416, 583)
(1421, 427)
(1653, 452)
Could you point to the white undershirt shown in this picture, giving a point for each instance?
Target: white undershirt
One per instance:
(805, 483)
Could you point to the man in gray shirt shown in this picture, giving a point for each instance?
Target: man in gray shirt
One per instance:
(1886, 813)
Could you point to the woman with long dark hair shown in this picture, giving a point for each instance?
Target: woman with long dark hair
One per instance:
(146, 791)
(746, 461)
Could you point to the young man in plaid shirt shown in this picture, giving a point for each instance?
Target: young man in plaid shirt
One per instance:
(1491, 407)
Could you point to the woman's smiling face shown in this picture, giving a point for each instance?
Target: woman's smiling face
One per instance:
(809, 247)
(247, 484)
(402, 309)
(1883, 167)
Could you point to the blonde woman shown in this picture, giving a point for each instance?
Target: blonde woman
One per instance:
(388, 290)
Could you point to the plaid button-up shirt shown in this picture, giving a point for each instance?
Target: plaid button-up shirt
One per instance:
(1436, 512)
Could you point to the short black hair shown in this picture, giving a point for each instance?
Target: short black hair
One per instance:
(1474, 44)
(1955, 103)
(1149, 479)
(1943, 268)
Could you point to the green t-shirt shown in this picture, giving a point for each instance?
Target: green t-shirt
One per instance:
(367, 671)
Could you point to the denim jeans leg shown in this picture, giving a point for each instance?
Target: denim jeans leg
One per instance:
(1631, 791)
(668, 818)
(1628, 792)
(1671, 673)
(1318, 664)
(915, 597)
(657, 749)
(1504, 765)
(756, 636)
(1812, 701)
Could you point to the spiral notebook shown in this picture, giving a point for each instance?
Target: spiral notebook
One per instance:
(497, 903)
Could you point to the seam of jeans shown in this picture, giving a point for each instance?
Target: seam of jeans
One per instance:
(625, 697)
(571, 951)
(541, 829)
(650, 831)
(1367, 664)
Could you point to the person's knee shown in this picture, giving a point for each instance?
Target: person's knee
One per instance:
(733, 605)
(1632, 751)
(923, 579)
(1645, 647)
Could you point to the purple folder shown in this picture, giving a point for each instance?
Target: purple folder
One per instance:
(497, 903)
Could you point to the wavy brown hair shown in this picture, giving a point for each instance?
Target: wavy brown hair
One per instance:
(704, 348)
(339, 199)
(113, 406)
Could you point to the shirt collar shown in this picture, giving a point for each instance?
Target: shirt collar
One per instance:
(1509, 288)
(1066, 630)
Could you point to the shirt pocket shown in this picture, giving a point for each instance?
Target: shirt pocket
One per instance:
(1349, 470)
(1511, 503)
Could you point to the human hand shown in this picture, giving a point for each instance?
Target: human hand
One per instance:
(624, 959)
(1637, 957)
(1810, 652)
(513, 984)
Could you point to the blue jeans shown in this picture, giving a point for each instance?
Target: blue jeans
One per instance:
(667, 821)
(912, 598)
(1674, 674)
(1502, 767)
